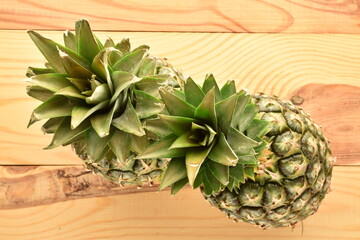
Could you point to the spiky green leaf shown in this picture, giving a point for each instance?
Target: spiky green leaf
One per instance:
(195, 157)
(65, 134)
(246, 117)
(147, 105)
(257, 128)
(56, 106)
(74, 69)
(228, 89)
(51, 81)
(70, 40)
(80, 113)
(209, 84)
(175, 171)
(32, 71)
(121, 81)
(222, 152)
(225, 112)
(131, 62)
(70, 91)
(221, 172)
(193, 93)
(156, 126)
(129, 121)
(242, 100)
(86, 43)
(102, 122)
(206, 110)
(49, 49)
(161, 149)
(96, 145)
(184, 141)
(51, 125)
(177, 125)
(39, 93)
(100, 94)
(176, 106)
(120, 145)
(176, 187)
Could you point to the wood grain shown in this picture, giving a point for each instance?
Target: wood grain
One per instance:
(272, 63)
(28, 186)
(295, 16)
(184, 216)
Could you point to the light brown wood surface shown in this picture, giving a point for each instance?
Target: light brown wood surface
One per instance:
(49, 195)
(157, 216)
(296, 16)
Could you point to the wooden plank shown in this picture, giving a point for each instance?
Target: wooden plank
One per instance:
(186, 215)
(276, 64)
(188, 16)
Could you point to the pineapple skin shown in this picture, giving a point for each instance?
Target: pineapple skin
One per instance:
(293, 175)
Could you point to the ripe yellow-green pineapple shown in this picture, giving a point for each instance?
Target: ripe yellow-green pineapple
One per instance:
(257, 158)
(96, 98)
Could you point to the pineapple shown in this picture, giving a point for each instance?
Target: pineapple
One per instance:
(96, 98)
(257, 158)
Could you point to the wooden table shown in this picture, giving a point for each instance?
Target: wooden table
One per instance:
(309, 49)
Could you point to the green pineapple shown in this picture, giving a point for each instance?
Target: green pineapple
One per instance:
(257, 158)
(96, 98)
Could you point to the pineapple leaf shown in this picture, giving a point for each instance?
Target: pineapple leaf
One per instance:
(246, 117)
(32, 71)
(257, 128)
(209, 84)
(151, 85)
(49, 49)
(177, 106)
(70, 41)
(242, 101)
(228, 89)
(120, 145)
(109, 43)
(39, 93)
(161, 149)
(193, 93)
(129, 122)
(148, 67)
(95, 145)
(101, 69)
(80, 113)
(123, 46)
(147, 105)
(121, 81)
(86, 43)
(64, 133)
(194, 159)
(222, 153)
(74, 69)
(70, 91)
(139, 144)
(100, 94)
(225, 112)
(221, 172)
(131, 62)
(176, 187)
(51, 125)
(81, 84)
(56, 106)
(102, 122)
(247, 159)
(175, 172)
(184, 141)
(156, 126)
(212, 180)
(237, 172)
(206, 110)
(51, 81)
(249, 173)
(177, 125)
(237, 139)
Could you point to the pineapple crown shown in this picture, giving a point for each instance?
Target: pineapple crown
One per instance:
(210, 134)
(100, 93)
